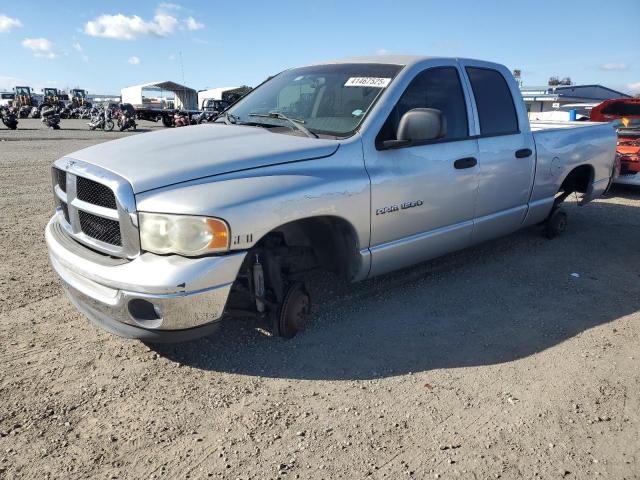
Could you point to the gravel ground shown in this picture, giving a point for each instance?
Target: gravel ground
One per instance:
(494, 362)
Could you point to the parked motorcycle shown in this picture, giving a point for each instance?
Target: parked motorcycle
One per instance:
(102, 120)
(35, 112)
(89, 112)
(24, 111)
(64, 111)
(9, 117)
(50, 117)
(181, 119)
(126, 117)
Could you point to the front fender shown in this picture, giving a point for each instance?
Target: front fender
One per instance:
(255, 202)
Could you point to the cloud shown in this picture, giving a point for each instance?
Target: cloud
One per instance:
(123, 27)
(191, 24)
(77, 46)
(382, 51)
(614, 66)
(134, 60)
(7, 23)
(634, 87)
(171, 57)
(41, 47)
(169, 6)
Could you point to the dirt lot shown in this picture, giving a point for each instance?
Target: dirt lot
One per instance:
(494, 362)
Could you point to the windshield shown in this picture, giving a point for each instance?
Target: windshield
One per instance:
(23, 91)
(79, 93)
(328, 99)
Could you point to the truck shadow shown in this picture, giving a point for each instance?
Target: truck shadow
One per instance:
(629, 192)
(497, 302)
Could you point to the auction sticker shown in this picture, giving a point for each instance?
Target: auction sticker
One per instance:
(376, 82)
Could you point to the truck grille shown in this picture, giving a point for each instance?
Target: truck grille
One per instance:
(97, 206)
(102, 229)
(60, 178)
(95, 193)
(65, 211)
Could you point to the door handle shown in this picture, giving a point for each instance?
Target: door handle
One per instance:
(468, 162)
(523, 153)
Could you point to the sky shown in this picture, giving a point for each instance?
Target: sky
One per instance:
(104, 46)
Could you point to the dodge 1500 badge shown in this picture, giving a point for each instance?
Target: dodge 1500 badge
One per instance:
(360, 166)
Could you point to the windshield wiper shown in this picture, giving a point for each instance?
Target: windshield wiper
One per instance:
(297, 124)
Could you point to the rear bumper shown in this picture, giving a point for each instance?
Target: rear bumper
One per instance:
(628, 180)
(152, 297)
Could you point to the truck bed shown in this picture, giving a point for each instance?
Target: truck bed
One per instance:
(563, 146)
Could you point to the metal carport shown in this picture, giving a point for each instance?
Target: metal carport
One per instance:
(184, 97)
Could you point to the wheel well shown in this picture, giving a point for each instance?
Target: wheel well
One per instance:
(578, 180)
(333, 240)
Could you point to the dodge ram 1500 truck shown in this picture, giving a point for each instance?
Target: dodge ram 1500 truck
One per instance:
(360, 167)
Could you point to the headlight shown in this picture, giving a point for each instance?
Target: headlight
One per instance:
(182, 234)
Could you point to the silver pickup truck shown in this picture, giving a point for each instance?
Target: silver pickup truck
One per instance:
(359, 167)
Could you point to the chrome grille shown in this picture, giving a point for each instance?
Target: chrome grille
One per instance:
(60, 177)
(65, 211)
(97, 207)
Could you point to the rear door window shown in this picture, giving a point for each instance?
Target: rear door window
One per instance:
(494, 101)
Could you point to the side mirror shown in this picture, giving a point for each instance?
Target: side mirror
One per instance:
(422, 124)
(419, 125)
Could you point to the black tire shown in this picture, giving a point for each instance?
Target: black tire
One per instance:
(167, 122)
(108, 126)
(556, 224)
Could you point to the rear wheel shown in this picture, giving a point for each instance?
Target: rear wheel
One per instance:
(556, 224)
(108, 126)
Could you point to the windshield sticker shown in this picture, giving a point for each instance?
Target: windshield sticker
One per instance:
(357, 113)
(376, 82)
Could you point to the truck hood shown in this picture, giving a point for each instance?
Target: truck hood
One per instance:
(175, 155)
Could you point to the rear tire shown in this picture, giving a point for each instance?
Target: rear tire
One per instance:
(108, 126)
(556, 224)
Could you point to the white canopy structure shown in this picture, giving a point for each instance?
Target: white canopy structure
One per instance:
(216, 93)
(158, 94)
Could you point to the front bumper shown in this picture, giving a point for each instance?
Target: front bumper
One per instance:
(152, 297)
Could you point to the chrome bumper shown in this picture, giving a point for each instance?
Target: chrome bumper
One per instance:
(176, 298)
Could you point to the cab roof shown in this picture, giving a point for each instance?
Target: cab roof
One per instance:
(405, 60)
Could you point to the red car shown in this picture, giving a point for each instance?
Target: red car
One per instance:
(628, 152)
(627, 112)
(615, 109)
